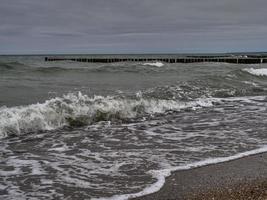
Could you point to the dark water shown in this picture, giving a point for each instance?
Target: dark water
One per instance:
(81, 130)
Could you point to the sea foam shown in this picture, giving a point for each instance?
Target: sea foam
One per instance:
(257, 72)
(78, 109)
(156, 64)
(161, 175)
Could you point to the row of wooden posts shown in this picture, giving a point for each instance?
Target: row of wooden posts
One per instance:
(236, 60)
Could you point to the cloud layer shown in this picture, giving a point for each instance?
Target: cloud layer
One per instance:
(132, 26)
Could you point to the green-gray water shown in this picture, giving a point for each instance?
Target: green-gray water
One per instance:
(84, 130)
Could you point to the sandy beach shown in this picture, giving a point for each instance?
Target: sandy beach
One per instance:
(244, 178)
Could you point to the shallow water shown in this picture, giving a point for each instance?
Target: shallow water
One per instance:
(113, 129)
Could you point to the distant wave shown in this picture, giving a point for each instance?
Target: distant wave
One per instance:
(11, 65)
(65, 66)
(50, 69)
(156, 64)
(78, 110)
(257, 72)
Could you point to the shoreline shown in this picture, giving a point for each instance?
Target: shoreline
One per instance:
(246, 176)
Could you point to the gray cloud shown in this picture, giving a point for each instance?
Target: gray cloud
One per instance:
(125, 26)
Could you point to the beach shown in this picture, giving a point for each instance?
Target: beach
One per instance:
(244, 178)
(78, 130)
(142, 100)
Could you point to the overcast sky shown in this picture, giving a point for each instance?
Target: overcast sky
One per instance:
(132, 26)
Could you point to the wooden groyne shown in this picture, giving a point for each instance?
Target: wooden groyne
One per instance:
(189, 59)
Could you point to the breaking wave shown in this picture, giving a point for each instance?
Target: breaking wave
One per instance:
(79, 110)
(257, 72)
(156, 64)
(161, 175)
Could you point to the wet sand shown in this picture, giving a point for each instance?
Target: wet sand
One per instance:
(244, 178)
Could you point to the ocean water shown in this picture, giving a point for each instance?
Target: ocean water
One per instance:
(72, 130)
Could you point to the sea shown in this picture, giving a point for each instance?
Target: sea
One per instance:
(72, 130)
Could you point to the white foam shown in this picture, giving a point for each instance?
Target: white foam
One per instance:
(257, 72)
(162, 174)
(54, 113)
(156, 64)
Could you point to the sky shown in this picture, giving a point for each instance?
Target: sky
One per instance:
(132, 26)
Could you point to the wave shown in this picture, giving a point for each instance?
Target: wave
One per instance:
(161, 175)
(156, 64)
(131, 68)
(82, 67)
(39, 67)
(80, 110)
(52, 69)
(257, 72)
(11, 65)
